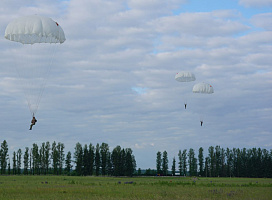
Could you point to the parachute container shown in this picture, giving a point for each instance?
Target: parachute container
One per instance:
(185, 77)
(203, 88)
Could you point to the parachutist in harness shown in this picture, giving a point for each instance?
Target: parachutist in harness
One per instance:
(201, 122)
(33, 122)
(185, 105)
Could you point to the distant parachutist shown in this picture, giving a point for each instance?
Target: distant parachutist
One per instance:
(185, 105)
(201, 122)
(33, 122)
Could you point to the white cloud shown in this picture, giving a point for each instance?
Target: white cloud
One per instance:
(198, 24)
(263, 20)
(255, 3)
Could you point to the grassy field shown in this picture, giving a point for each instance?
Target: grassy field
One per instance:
(71, 187)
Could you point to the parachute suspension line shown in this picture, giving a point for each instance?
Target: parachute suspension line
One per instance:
(47, 72)
(46, 77)
(34, 73)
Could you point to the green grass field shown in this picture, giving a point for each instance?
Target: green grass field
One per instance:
(72, 187)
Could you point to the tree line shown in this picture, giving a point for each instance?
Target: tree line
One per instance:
(51, 159)
(99, 160)
(219, 162)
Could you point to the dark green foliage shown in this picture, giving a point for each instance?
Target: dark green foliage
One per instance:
(14, 163)
(164, 163)
(4, 156)
(68, 161)
(97, 160)
(78, 156)
(174, 167)
(104, 150)
(184, 162)
(219, 162)
(85, 161)
(159, 163)
(19, 157)
(91, 158)
(192, 161)
(35, 159)
(201, 161)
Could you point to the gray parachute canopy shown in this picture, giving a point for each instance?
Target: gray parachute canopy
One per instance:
(203, 88)
(34, 29)
(185, 76)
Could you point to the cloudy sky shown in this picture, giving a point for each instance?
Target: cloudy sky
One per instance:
(112, 80)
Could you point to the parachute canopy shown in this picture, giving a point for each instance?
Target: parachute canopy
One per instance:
(185, 77)
(203, 88)
(34, 29)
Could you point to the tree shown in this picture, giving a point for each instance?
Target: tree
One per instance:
(236, 162)
(212, 161)
(222, 164)
(122, 162)
(35, 159)
(174, 167)
(68, 162)
(104, 150)
(180, 162)
(218, 163)
(42, 158)
(4, 156)
(206, 168)
(9, 170)
(47, 157)
(85, 161)
(109, 164)
(229, 156)
(244, 163)
(61, 156)
(159, 162)
(30, 162)
(97, 160)
(91, 158)
(192, 162)
(164, 163)
(265, 169)
(130, 163)
(184, 161)
(55, 158)
(116, 161)
(19, 161)
(201, 161)
(14, 169)
(78, 156)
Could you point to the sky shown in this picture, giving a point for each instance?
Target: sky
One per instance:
(113, 79)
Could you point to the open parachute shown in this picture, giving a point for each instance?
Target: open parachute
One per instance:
(185, 76)
(203, 88)
(34, 29)
(34, 43)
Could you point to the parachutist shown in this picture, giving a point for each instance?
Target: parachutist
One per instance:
(185, 105)
(33, 122)
(201, 122)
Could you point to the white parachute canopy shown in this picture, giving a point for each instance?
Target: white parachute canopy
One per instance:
(185, 77)
(34, 29)
(203, 88)
(34, 40)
